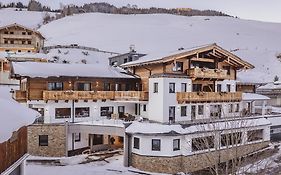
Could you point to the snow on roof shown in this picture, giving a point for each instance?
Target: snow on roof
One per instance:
(157, 128)
(270, 86)
(44, 70)
(13, 115)
(253, 96)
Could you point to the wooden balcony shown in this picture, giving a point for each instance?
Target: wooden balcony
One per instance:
(208, 96)
(20, 96)
(16, 36)
(131, 95)
(207, 73)
(96, 95)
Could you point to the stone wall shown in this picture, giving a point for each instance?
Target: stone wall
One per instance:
(57, 141)
(191, 163)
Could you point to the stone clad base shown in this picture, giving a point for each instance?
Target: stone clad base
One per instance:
(57, 140)
(191, 163)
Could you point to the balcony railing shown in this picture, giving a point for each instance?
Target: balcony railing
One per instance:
(19, 95)
(95, 95)
(17, 36)
(131, 95)
(208, 73)
(208, 96)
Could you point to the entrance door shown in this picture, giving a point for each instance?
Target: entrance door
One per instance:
(97, 139)
(193, 112)
(121, 111)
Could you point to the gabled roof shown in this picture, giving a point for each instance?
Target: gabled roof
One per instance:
(217, 51)
(23, 27)
(45, 70)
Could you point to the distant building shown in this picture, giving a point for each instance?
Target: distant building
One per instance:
(124, 58)
(273, 91)
(18, 38)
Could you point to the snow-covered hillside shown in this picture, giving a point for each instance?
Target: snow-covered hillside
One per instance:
(257, 42)
(26, 18)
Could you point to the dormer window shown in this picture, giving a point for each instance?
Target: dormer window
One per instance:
(178, 66)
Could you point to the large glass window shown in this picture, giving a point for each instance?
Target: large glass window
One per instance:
(219, 88)
(136, 143)
(176, 144)
(62, 113)
(55, 86)
(172, 113)
(203, 143)
(83, 86)
(107, 111)
(230, 108)
(77, 137)
(255, 135)
(237, 107)
(197, 87)
(172, 87)
(183, 111)
(231, 139)
(156, 145)
(82, 112)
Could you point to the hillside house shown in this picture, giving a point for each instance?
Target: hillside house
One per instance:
(18, 38)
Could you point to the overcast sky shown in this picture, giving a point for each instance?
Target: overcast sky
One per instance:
(262, 10)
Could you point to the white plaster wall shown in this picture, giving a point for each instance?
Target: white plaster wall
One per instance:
(224, 85)
(94, 109)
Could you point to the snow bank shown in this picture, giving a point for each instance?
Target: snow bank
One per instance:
(13, 115)
(35, 69)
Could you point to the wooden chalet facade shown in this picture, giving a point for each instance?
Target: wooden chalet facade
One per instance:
(18, 38)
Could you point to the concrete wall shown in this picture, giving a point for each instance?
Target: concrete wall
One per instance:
(57, 140)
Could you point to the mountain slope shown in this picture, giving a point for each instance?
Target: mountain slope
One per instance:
(256, 42)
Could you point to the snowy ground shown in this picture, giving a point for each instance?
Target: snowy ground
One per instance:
(114, 166)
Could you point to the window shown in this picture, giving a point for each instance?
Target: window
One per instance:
(19, 50)
(231, 139)
(29, 33)
(172, 113)
(55, 86)
(83, 86)
(28, 42)
(156, 145)
(200, 109)
(144, 107)
(178, 66)
(106, 86)
(230, 108)
(82, 112)
(6, 32)
(219, 88)
(11, 41)
(23, 33)
(237, 107)
(255, 135)
(183, 87)
(196, 87)
(22, 42)
(118, 87)
(183, 111)
(106, 111)
(176, 144)
(77, 137)
(6, 41)
(203, 143)
(136, 143)
(11, 33)
(155, 87)
(127, 87)
(43, 140)
(228, 88)
(62, 113)
(172, 87)
(125, 60)
(227, 68)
